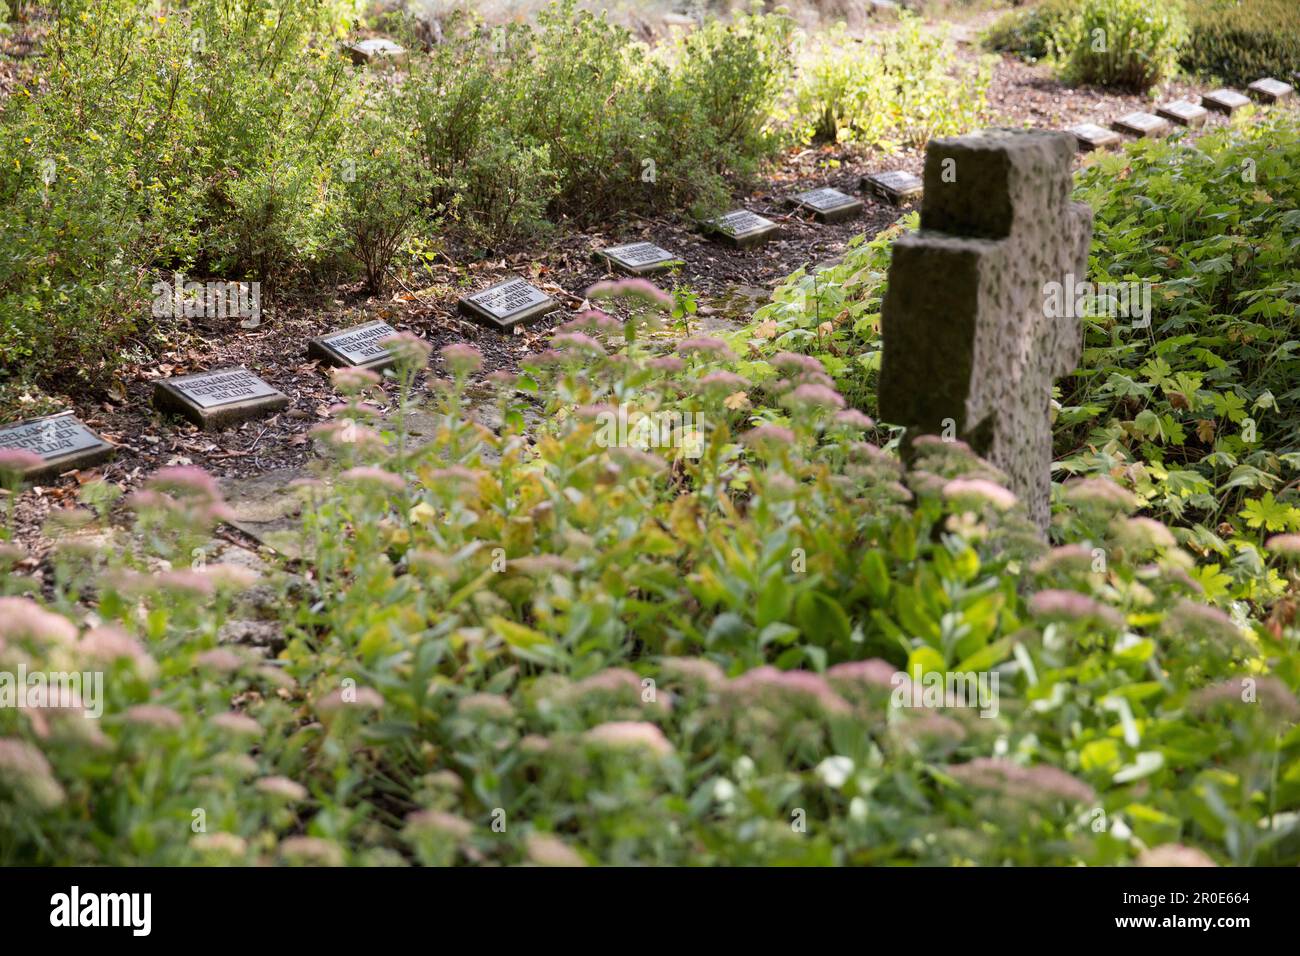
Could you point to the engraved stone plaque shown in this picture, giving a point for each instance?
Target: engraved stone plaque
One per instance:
(741, 228)
(216, 399)
(1183, 113)
(637, 258)
(508, 304)
(1224, 101)
(61, 441)
(1141, 125)
(357, 347)
(897, 185)
(827, 205)
(1270, 90)
(1090, 136)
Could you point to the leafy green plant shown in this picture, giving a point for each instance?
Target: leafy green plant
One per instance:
(383, 188)
(1240, 41)
(901, 89)
(1129, 44)
(161, 143)
(584, 646)
(1030, 32)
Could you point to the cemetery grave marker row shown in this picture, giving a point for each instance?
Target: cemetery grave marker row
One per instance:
(216, 399)
(1090, 136)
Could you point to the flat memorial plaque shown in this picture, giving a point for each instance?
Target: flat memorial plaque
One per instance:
(1270, 90)
(1091, 136)
(1141, 125)
(1183, 113)
(1224, 101)
(216, 399)
(61, 441)
(827, 204)
(897, 186)
(507, 304)
(741, 228)
(373, 50)
(638, 258)
(357, 347)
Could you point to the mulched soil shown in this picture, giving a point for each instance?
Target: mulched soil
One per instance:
(1020, 95)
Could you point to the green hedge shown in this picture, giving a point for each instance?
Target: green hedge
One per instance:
(1243, 40)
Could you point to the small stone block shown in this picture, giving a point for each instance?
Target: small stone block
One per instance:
(897, 186)
(1141, 125)
(637, 258)
(1224, 101)
(1090, 136)
(218, 399)
(1269, 90)
(884, 9)
(1183, 113)
(507, 304)
(742, 229)
(61, 441)
(827, 205)
(357, 347)
(369, 51)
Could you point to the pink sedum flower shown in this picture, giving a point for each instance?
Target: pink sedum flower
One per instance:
(630, 735)
(282, 788)
(377, 478)
(462, 358)
(979, 492)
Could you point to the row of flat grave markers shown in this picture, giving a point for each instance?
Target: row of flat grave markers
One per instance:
(223, 397)
(1183, 113)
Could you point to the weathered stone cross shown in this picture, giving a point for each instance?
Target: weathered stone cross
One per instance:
(969, 347)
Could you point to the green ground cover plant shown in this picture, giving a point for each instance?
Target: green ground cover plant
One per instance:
(1194, 414)
(566, 649)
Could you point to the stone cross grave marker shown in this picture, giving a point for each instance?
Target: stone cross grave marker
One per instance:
(1270, 90)
(741, 228)
(637, 258)
(219, 398)
(1090, 136)
(507, 304)
(357, 347)
(1224, 101)
(1141, 125)
(970, 349)
(61, 441)
(1183, 113)
(897, 186)
(826, 204)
